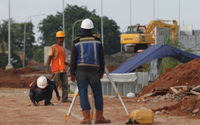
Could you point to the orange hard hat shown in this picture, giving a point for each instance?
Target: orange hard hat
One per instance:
(60, 34)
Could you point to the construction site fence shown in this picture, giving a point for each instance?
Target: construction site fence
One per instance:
(125, 83)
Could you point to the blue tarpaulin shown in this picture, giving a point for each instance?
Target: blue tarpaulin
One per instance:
(155, 52)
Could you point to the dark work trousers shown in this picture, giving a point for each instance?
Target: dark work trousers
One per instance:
(63, 78)
(93, 79)
(44, 94)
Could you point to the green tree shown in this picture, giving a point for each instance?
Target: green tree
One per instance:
(49, 26)
(38, 55)
(17, 40)
(3, 37)
(15, 60)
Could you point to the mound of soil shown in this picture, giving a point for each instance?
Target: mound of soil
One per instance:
(187, 74)
(183, 75)
(12, 78)
(189, 106)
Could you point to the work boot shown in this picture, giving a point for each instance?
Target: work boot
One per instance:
(86, 119)
(99, 118)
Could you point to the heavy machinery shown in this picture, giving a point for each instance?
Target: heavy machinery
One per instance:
(141, 36)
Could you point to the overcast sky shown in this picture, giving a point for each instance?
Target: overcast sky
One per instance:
(118, 10)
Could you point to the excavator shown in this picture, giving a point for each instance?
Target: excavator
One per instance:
(140, 36)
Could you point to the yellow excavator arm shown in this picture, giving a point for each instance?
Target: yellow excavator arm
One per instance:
(164, 24)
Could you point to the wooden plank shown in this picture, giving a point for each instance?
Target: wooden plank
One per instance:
(197, 87)
(174, 90)
(195, 93)
(179, 89)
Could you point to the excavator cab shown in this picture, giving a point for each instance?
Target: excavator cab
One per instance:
(133, 37)
(136, 29)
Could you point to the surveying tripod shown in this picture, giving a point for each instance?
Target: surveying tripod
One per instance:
(76, 94)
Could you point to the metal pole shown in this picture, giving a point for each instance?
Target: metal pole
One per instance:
(24, 48)
(153, 9)
(102, 22)
(24, 51)
(179, 12)
(64, 21)
(9, 66)
(9, 39)
(179, 19)
(130, 12)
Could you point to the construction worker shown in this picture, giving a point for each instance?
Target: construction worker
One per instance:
(42, 89)
(87, 67)
(57, 57)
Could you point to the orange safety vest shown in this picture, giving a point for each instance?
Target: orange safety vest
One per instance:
(30, 85)
(58, 64)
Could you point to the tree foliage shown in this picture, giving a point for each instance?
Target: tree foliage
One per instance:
(38, 55)
(15, 61)
(49, 26)
(17, 41)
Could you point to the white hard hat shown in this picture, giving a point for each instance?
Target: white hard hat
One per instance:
(87, 24)
(42, 82)
(130, 95)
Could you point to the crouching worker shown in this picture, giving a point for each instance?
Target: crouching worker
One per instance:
(42, 89)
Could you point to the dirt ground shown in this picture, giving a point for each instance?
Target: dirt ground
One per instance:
(16, 109)
(169, 108)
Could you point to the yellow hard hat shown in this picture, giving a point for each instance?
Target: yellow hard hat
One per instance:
(60, 34)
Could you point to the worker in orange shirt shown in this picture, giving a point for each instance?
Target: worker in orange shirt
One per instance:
(57, 58)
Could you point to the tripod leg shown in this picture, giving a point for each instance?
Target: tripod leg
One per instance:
(92, 105)
(116, 91)
(71, 106)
